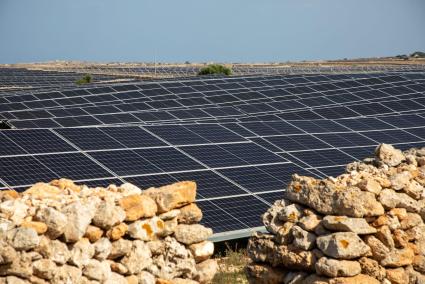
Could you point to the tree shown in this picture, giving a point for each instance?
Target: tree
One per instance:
(215, 69)
(86, 79)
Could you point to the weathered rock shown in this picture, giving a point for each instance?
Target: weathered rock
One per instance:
(115, 278)
(270, 218)
(145, 277)
(97, 270)
(327, 199)
(400, 180)
(372, 268)
(44, 268)
(397, 258)
(379, 250)
(42, 191)
(190, 214)
(173, 196)
(370, 185)
(391, 199)
(342, 245)
(346, 224)
(309, 222)
(67, 274)
(293, 258)
(54, 250)
(129, 189)
(138, 258)
(295, 277)
(397, 276)
(264, 274)
(81, 253)
(55, 221)
(146, 230)
(388, 155)
(138, 206)
(302, 239)
(385, 236)
(284, 235)
(202, 251)
(7, 253)
(78, 219)
(120, 248)
(190, 234)
(15, 210)
(337, 268)
(19, 267)
(102, 249)
(206, 271)
(290, 213)
(412, 220)
(93, 233)
(419, 263)
(108, 215)
(414, 190)
(39, 227)
(117, 232)
(23, 238)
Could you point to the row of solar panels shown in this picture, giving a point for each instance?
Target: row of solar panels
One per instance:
(309, 105)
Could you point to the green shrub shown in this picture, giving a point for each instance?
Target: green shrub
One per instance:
(86, 79)
(215, 69)
(418, 54)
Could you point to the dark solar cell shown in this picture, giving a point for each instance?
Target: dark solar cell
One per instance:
(125, 162)
(132, 137)
(175, 160)
(75, 166)
(323, 158)
(24, 170)
(177, 134)
(90, 138)
(297, 142)
(38, 141)
(8, 147)
(263, 178)
(332, 171)
(214, 133)
(345, 139)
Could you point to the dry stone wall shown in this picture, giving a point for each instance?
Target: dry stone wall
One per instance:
(364, 226)
(60, 232)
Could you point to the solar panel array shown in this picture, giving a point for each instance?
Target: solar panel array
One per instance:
(240, 138)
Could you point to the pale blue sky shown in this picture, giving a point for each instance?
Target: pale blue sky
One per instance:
(215, 30)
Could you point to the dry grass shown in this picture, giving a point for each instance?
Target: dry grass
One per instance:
(231, 267)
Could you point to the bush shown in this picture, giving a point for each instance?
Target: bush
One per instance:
(215, 69)
(86, 79)
(418, 54)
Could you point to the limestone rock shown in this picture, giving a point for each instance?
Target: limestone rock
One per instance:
(43, 190)
(120, 248)
(326, 199)
(117, 232)
(190, 214)
(146, 230)
(129, 189)
(97, 270)
(67, 274)
(202, 251)
(15, 210)
(309, 222)
(78, 219)
(346, 224)
(270, 218)
(81, 253)
(173, 196)
(7, 253)
(102, 249)
(138, 258)
(337, 268)
(55, 221)
(44, 268)
(23, 238)
(370, 185)
(397, 258)
(54, 250)
(397, 276)
(206, 271)
(391, 199)
(400, 180)
(372, 268)
(190, 234)
(108, 215)
(389, 155)
(145, 277)
(115, 278)
(342, 245)
(290, 213)
(93, 233)
(138, 206)
(39, 227)
(302, 239)
(264, 274)
(379, 250)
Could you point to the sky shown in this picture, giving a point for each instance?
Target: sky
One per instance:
(208, 31)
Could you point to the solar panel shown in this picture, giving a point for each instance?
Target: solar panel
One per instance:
(240, 138)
